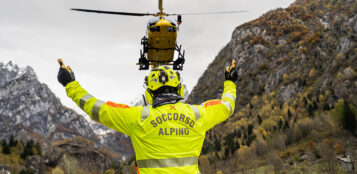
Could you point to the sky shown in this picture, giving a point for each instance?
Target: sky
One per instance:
(103, 50)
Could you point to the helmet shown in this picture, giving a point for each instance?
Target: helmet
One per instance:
(162, 79)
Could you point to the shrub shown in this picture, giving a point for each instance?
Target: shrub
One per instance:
(296, 36)
(311, 145)
(314, 38)
(306, 126)
(329, 156)
(260, 147)
(57, 170)
(245, 158)
(278, 142)
(263, 66)
(205, 166)
(339, 57)
(258, 40)
(338, 148)
(27, 171)
(339, 76)
(109, 171)
(303, 50)
(275, 160)
(19, 148)
(286, 78)
(312, 73)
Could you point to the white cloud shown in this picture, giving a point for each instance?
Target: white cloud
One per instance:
(103, 49)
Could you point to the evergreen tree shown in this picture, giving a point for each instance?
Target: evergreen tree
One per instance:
(280, 124)
(289, 114)
(28, 151)
(348, 118)
(5, 148)
(250, 140)
(259, 119)
(250, 129)
(3, 142)
(305, 101)
(237, 145)
(204, 149)
(310, 109)
(326, 107)
(226, 153)
(38, 148)
(12, 142)
(229, 143)
(239, 134)
(286, 125)
(314, 105)
(217, 145)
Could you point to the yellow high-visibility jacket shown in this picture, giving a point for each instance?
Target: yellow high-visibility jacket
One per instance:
(166, 139)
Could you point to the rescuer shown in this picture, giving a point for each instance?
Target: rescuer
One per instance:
(167, 135)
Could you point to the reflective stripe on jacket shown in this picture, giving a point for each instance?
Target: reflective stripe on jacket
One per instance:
(166, 139)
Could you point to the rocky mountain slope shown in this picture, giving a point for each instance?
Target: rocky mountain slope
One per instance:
(297, 69)
(29, 110)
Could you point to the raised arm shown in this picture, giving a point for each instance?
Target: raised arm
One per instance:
(216, 111)
(116, 116)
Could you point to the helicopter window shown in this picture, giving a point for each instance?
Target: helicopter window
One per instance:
(171, 29)
(153, 21)
(155, 28)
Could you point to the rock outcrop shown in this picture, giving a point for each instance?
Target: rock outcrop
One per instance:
(79, 154)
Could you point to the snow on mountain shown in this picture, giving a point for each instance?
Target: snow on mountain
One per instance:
(30, 110)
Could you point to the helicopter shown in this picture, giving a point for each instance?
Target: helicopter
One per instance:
(159, 45)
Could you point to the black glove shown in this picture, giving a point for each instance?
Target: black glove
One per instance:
(65, 74)
(231, 72)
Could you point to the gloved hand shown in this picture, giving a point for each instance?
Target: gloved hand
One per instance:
(231, 72)
(65, 74)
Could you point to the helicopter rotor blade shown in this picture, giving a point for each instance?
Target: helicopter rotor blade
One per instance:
(209, 13)
(160, 6)
(113, 12)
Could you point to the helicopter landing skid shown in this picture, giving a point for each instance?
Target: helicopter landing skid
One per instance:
(178, 63)
(143, 61)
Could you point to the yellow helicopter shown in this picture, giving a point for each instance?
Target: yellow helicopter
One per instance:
(159, 45)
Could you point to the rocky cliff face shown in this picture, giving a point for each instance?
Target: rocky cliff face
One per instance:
(295, 66)
(29, 110)
(310, 44)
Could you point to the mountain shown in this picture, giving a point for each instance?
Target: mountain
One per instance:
(297, 85)
(30, 110)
